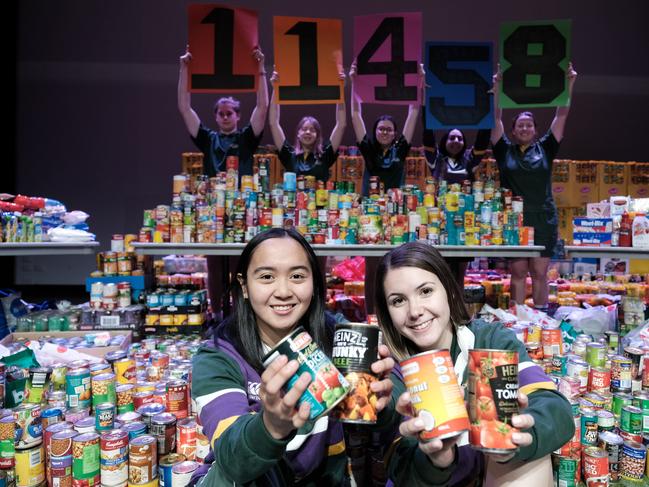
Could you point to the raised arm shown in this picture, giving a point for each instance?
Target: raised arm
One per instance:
(258, 117)
(357, 116)
(341, 121)
(413, 109)
(498, 130)
(192, 122)
(273, 115)
(559, 123)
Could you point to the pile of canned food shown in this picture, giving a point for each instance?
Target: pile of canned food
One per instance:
(125, 421)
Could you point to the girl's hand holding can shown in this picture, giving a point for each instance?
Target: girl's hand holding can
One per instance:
(440, 452)
(279, 410)
(382, 368)
(521, 422)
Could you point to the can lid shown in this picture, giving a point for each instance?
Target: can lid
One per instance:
(90, 436)
(143, 440)
(185, 467)
(164, 418)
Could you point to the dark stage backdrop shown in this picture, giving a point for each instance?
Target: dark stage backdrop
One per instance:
(97, 125)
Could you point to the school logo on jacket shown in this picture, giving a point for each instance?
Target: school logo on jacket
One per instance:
(253, 390)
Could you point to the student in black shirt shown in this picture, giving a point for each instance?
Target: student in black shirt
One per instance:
(309, 156)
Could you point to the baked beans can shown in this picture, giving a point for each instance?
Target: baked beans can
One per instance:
(104, 416)
(328, 386)
(7, 441)
(595, 467)
(493, 399)
(163, 427)
(125, 370)
(143, 460)
(85, 460)
(178, 398)
(588, 426)
(186, 437)
(30, 467)
(182, 472)
(621, 370)
(59, 465)
(124, 395)
(165, 465)
(29, 430)
(77, 388)
(633, 461)
(436, 396)
(612, 444)
(599, 379)
(113, 458)
(103, 388)
(356, 346)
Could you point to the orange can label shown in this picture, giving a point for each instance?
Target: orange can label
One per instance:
(493, 399)
(435, 394)
(552, 341)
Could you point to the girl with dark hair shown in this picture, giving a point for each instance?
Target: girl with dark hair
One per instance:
(308, 156)
(525, 166)
(383, 150)
(259, 435)
(420, 308)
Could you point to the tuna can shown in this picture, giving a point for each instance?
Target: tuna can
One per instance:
(493, 399)
(85, 460)
(620, 374)
(165, 465)
(104, 416)
(182, 472)
(59, 467)
(143, 460)
(632, 461)
(163, 427)
(124, 394)
(124, 370)
(29, 430)
(186, 437)
(113, 458)
(328, 386)
(356, 346)
(30, 467)
(177, 398)
(103, 389)
(7, 441)
(77, 388)
(612, 444)
(436, 395)
(134, 429)
(595, 466)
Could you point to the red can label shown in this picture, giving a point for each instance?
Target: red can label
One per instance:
(493, 399)
(186, 438)
(595, 467)
(599, 379)
(177, 402)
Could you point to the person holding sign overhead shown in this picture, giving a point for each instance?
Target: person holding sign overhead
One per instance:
(384, 150)
(228, 139)
(308, 156)
(525, 166)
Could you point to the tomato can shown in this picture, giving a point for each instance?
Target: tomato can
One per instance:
(436, 395)
(493, 399)
(113, 458)
(186, 438)
(633, 461)
(612, 444)
(143, 460)
(85, 460)
(595, 467)
(356, 346)
(328, 386)
(182, 472)
(165, 465)
(30, 467)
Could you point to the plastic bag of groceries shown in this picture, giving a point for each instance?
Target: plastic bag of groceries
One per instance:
(593, 320)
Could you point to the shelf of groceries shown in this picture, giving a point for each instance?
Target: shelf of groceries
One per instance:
(606, 252)
(48, 248)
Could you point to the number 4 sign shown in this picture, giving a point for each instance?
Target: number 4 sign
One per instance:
(387, 49)
(534, 60)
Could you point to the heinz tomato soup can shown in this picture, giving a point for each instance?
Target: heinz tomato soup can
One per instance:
(328, 386)
(493, 399)
(435, 394)
(356, 346)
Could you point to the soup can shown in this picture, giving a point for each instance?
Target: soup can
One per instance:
(356, 346)
(165, 465)
(113, 458)
(143, 460)
(435, 394)
(493, 399)
(328, 386)
(182, 472)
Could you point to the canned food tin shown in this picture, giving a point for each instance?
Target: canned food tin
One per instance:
(143, 460)
(298, 345)
(125, 370)
(50, 416)
(103, 388)
(621, 374)
(436, 395)
(85, 425)
(30, 469)
(552, 341)
(182, 472)
(148, 411)
(612, 444)
(37, 383)
(567, 470)
(605, 421)
(588, 426)
(355, 348)
(186, 437)
(178, 398)
(493, 399)
(113, 458)
(631, 420)
(596, 354)
(105, 416)
(164, 468)
(163, 427)
(595, 466)
(77, 388)
(635, 355)
(7, 441)
(59, 466)
(85, 460)
(632, 461)
(578, 369)
(599, 379)
(124, 394)
(134, 429)
(29, 430)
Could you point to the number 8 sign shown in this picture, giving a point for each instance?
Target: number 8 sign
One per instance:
(534, 59)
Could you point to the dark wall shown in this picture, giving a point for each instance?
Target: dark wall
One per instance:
(97, 125)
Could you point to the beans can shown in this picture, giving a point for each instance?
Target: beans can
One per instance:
(632, 461)
(113, 458)
(7, 441)
(77, 388)
(595, 466)
(85, 460)
(436, 395)
(612, 444)
(355, 348)
(104, 416)
(30, 467)
(59, 466)
(143, 460)
(186, 437)
(163, 427)
(29, 430)
(178, 398)
(124, 394)
(165, 465)
(182, 472)
(328, 386)
(103, 389)
(493, 399)
(621, 374)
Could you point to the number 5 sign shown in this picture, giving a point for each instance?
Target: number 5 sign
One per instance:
(534, 60)
(387, 49)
